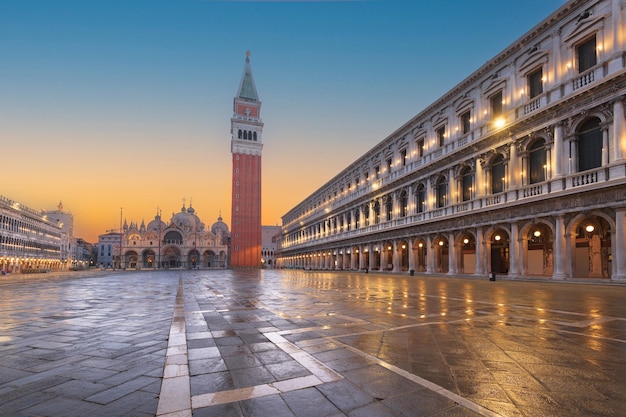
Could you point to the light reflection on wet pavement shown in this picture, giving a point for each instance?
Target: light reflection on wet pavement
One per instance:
(302, 343)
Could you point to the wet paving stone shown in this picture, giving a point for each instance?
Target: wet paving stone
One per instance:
(302, 343)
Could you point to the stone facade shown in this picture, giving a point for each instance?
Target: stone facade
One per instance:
(29, 240)
(182, 243)
(519, 170)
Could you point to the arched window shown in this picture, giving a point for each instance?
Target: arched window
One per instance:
(389, 207)
(254, 136)
(467, 179)
(497, 174)
(442, 191)
(589, 145)
(404, 204)
(240, 133)
(245, 134)
(376, 209)
(349, 219)
(537, 161)
(420, 205)
(357, 218)
(366, 214)
(173, 237)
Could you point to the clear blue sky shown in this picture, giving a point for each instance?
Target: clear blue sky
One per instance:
(109, 104)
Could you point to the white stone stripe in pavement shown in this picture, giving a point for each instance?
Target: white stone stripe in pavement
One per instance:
(321, 374)
(175, 396)
(425, 383)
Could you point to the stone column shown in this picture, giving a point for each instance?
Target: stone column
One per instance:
(514, 251)
(513, 177)
(397, 256)
(412, 255)
(371, 257)
(605, 145)
(479, 180)
(430, 255)
(523, 255)
(618, 243)
(453, 255)
(559, 252)
(452, 188)
(548, 171)
(524, 180)
(618, 144)
(480, 253)
(558, 157)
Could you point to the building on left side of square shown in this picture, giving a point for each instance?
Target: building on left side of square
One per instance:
(39, 240)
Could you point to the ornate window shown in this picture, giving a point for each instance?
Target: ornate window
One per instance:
(498, 171)
(420, 147)
(467, 179)
(496, 103)
(420, 196)
(589, 145)
(376, 209)
(586, 52)
(442, 191)
(464, 120)
(441, 135)
(389, 207)
(404, 204)
(537, 161)
(535, 83)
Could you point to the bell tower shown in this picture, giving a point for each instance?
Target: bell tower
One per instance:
(246, 146)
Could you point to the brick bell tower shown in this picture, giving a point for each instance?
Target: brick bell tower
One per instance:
(246, 146)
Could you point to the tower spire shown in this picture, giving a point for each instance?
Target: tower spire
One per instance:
(247, 89)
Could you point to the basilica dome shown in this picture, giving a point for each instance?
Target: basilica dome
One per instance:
(156, 224)
(220, 226)
(187, 220)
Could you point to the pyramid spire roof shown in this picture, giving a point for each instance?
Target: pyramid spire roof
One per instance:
(247, 89)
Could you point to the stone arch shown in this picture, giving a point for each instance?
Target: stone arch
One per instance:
(403, 255)
(193, 259)
(171, 257)
(420, 246)
(131, 259)
(590, 242)
(466, 244)
(498, 243)
(537, 244)
(208, 259)
(148, 258)
(173, 237)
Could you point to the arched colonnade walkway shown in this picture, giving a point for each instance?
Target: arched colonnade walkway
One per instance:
(584, 245)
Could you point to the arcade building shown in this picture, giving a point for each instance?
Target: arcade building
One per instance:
(519, 170)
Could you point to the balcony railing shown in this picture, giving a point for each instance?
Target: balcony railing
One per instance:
(589, 178)
(584, 79)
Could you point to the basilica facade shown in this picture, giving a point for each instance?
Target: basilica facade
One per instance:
(519, 170)
(183, 242)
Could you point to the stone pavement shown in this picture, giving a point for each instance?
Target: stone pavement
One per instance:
(301, 343)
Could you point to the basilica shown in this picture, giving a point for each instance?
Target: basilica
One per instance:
(183, 242)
